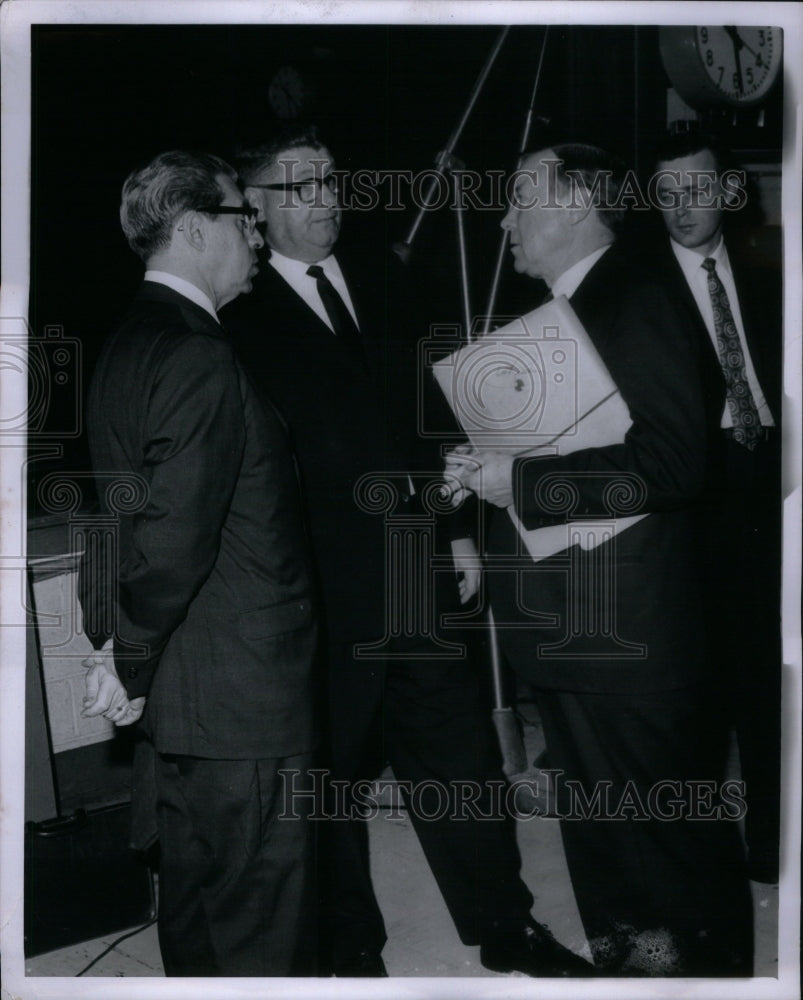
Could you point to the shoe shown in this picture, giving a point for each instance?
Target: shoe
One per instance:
(533, 950)
(360, 965)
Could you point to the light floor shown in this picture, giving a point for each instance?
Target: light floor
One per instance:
(422, 941)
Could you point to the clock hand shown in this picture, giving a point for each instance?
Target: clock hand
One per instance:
(734, 36)
(743, 45)
(737, 46)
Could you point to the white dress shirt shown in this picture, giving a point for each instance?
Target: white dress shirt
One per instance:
(691, 263)
(295, 274)
(185, 288)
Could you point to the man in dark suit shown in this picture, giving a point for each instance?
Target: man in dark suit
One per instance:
(214, 635)
(332, 345)
(613, 648)
(728, 296)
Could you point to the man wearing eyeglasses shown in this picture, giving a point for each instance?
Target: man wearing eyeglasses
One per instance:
(331, 339)
(214, 632)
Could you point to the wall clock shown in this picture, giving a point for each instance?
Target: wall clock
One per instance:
(732, 65)
(287, 92)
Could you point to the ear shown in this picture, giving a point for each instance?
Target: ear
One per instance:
(575, 214)
(191, 227)
(576, 203)
(254, 198)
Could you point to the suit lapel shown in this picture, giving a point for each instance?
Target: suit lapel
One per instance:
(279, 297)
(592, 300)
(761, 309)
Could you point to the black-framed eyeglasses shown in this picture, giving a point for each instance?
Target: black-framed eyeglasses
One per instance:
(248, 212)
(307, 190)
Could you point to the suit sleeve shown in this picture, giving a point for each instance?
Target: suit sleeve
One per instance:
(653, 358)
(193, 443)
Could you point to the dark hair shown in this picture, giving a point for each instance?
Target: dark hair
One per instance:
(676, 144)
(600, 173)
(251, 161)
(154, 196)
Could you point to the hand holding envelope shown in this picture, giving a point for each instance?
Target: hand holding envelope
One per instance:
(489, 474)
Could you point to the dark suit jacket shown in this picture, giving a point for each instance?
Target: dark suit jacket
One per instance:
(652, 354)
(347, 421)
(213, 580)
(742, 499)
(760, 303)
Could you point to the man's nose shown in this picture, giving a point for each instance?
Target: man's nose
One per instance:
(255, 240)
(509, 220)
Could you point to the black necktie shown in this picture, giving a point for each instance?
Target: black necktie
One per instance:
(746, 422)
(339, 316)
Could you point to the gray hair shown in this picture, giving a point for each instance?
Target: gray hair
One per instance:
(156, 195)
(599, 173)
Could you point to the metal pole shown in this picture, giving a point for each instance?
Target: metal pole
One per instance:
(444, 160)
(525, 138)
(461, 243)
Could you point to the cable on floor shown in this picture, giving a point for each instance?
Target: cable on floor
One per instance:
(113, 945)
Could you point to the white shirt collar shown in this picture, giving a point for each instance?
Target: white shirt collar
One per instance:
(295, 274)
(290, 267)
(691, 260)
(568, 282)
(185, 288)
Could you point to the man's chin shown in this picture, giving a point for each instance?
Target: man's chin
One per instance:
(686, 238)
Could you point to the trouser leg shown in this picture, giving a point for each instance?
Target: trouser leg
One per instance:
(351, 920)
(440, 743)
(659, 893)
(236, 878)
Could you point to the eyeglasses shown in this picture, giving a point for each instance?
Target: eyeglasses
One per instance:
(306, 190)
(247, 212)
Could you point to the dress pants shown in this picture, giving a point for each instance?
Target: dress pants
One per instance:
(658, 894)
(425, 718)
(742, 575)
(236, 881)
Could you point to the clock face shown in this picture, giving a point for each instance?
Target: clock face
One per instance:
(742, 62)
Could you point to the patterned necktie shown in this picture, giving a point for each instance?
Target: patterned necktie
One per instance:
(339, 316)
(746, 422)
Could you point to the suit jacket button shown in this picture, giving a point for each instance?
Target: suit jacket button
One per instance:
(133, 672)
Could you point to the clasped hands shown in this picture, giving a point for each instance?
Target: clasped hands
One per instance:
(105, 694)
(489, 474)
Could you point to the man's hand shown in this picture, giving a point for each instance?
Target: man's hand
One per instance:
(489, 474)
(468, 565)
(105, 695)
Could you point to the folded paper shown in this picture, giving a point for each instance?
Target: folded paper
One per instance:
(538, 386)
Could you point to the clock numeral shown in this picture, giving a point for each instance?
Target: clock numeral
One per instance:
(709, 57)
(749, 75)
(704, 36)
(759, 60)
(737, 83)
(721, 74)
(761, 37)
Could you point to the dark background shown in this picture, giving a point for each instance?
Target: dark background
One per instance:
(108, 98)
